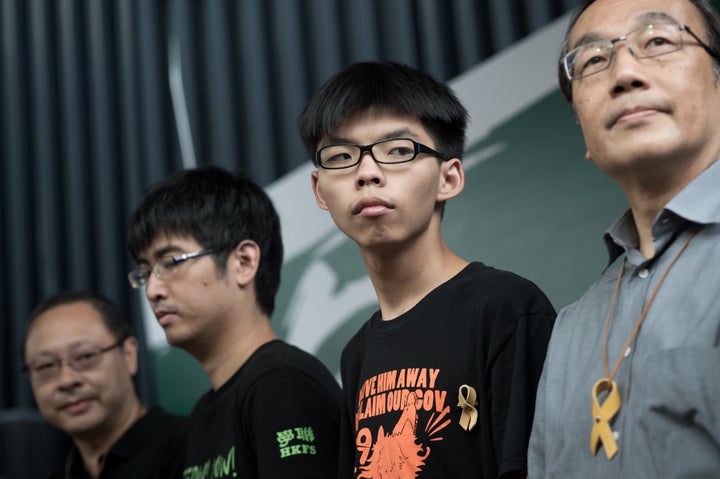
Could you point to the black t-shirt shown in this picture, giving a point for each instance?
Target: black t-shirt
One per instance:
(150, 449)
(277, 417)
(484, 328)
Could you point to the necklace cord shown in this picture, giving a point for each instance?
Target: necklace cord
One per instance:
(643, 313)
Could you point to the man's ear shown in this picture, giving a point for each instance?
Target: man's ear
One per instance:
(244, 262)
(316, 190)
(452, 179)
(587, 156)
(130, 350)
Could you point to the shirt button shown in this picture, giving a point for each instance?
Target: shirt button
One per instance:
(643, 273)
(616, 435)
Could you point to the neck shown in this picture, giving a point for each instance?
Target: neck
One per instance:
(243, 336)
(405, 274)
(649, 192)
(96, 445)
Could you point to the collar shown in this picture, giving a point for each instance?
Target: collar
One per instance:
(130, 442)
(135, 437)
(698, 202)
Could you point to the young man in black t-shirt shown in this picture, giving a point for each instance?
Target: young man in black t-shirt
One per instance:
(209, 253)
(440, 382)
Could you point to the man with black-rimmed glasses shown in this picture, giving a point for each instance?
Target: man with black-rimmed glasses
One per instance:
(80, 357)
(440, 381)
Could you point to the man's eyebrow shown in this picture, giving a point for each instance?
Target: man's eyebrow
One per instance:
(164, 251)
(639, 20)
(398, 133)
(589, 37)
(650, 17)
(73, 345)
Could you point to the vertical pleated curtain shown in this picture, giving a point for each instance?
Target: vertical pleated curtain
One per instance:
(101, 98)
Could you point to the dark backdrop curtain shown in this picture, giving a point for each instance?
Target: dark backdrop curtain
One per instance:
(99, 99)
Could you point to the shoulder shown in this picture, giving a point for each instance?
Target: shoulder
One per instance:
(594, 300)
(490, 290)
(279, 360)
(156, 427)
(160, 421)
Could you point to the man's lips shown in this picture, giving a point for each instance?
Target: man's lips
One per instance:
(76, 406)
(163, 315)
(371, 206)
(626, 115)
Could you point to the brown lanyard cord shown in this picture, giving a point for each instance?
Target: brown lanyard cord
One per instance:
(609, 375)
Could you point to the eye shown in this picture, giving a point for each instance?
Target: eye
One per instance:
(659, 43)
(143, 271)
(338, 155)
(338, 158)
(657, 39)
(84, 358)
(401, 151)
(167, 262)
(591, 58)
(43, 366)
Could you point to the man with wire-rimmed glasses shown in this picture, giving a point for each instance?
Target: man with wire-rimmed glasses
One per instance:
(80, 357)
(209, 251)
(631, 386)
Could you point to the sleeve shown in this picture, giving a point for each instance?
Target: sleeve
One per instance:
(346, 453)
(294, 425)
(346, 457)
(515, 375)
(536, 449)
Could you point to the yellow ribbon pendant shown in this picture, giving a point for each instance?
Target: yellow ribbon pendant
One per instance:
(602, 415)
(467, 400)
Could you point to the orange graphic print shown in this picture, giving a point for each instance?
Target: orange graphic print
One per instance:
(400, 454)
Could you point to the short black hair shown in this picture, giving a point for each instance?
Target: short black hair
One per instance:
(109, 312)
(219, 210)
(386, 86)
(707, 11)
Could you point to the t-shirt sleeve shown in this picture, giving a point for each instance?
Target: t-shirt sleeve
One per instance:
(515, 374)
(293, 423)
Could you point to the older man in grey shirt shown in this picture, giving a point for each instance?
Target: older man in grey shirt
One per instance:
(631, 383)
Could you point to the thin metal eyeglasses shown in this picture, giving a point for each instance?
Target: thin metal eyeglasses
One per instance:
(47, 367)
(645, 42)
(394, 150)
(165, 265)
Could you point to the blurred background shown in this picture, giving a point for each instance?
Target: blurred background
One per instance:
(101, 98)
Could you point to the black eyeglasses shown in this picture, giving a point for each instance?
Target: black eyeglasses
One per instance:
(164, 266)
(645, 42)
(395, 150)
(46, 367)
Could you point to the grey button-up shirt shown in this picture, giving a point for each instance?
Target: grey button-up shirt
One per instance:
(669, 382)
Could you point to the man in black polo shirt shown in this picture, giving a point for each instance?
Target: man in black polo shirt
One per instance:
(80, 357)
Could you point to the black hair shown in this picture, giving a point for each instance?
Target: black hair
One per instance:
(219, 210)
(386, 86)
(707, 11)
(109, 312)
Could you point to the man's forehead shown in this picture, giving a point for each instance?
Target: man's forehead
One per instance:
(67, 327)
(164, 244)
(380, 124)
(612, 18)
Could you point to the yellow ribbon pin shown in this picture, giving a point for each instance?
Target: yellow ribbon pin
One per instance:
(467, 400)
(602, 415)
